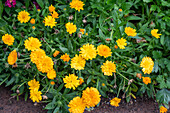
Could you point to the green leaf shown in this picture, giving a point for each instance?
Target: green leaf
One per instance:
(111, 2)
(50, 106)
(101, 35)
(156, 67)
(163, 96)
(133, 18)
(162, 39)
(10, 82)
(41, 3)
(2, 23)
(1, 9)
(157, 54)
(147, 1)
(153, 7)
(64, 50)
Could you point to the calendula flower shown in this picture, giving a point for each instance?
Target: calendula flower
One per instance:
(147, 64)
(121, 43)
(38, 10)
(51, 74)
(120, 10)
(71, 81)
(76, 105)
(52, 83)
(146, 80)
(163, 109)
(23, 16)
(108, 68)
(51, 8)
(78, 62)
(91, 97)
(32, 21)
(50, 21)
(86, 34)
(103, 84)
(88, 51)
(55, 14)
(8, 39)
(34, 84)
(37, 55)
(56, 53)
(71, 28)
(32, 43)
(82, 31)
(81, 81)
(12, 58)
(115, 46)
(130, 31)
(33, 27)
(35, 95)
(155, 34)
(65, 57)
(104, 50)
(115, 102)
(77, 4)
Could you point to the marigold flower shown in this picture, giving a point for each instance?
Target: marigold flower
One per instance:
(33, 84)
(71, 28)
(104, 50)
(12, 58)
(51, 8)
(65, 57)
(51, 74)
(76, 105)
(103, 84)
(23, 16)
(78, 62)
(52, 83)
(82, 31)
(50, 21)
(86, 34)
(115, 102)
(77, 4)
(115, 46)
(91, 97)
(8, 39)
(38, 10)
(146, 80)
(35, 95)
(81, 81)
(32, 43)
(32, 21)
(88, 51)
(121, 43)
(120, 10)
(163, 109)
(56, 53)
(147, 64)
(71, 81)
(155, 34)
(37, 55)
(130, 31)
(33, 27)
(55, 14)
(108, 68)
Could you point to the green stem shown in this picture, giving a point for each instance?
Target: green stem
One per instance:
(65, 99)
(79, 73)
(4, 80)
(19, 45)
(97, 83)
(122, 75)
(75, 17)
(22, 84)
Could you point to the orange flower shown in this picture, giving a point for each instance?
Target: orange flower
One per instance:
(55, 14)
(65, 57)
(115, 46)
(51, 8)
(81, 81)
(82, 31)
(115, 102)
(120, 10)
(146, 80)
(32, 21)
(52, 82)
(8, 39)
(12, 58)
(56, 53)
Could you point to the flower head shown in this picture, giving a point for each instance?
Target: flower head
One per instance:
(104, 50)
(51, 74)
(33, 27)
(8, 39)
(146, 80)
(115, 102)
(35, 95)
(12, 58)
(155, 34)
(81, 81)
(51, 8)
(9, 3)
(77, 4)
(34, 84)
(108, 68)
(76, 105)
(71, 28)
(37, 55)
(50, 21)
(163, 109)
(65, 57)
(130, 31)
(55, 14)
(78, 62)
(147, 64)
(115, 46)
(56, 53)
(23, 16)
(120, 10)
(82, 31)
(52, 83)
(32, 44)
(91, 97)
(71, 81)
(32, 21)
(121, 43)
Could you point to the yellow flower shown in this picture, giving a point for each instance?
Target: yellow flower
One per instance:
(104, 50)
(45, 65)
(115, 102)
(56, 53)
(81, 81)
(121, 43)
(108, 68)
(71, 28)
(163, 109)
(32, 21)
(64, 9)
(146, 80)
(35, 95)
(120, 10)
(32, 44)
(88, 51)
(55, 14)
(51, 74)
(103, 84)
(23, 16)
(147, 64)
(8, 39)
(33, 27)
(50, 21)
(38, 10)
(37, 55)
(91, 97)
(78, 62)
(76, 105)
(82, 31)
(86, 34)
(51, 8)
(34, 84)
(71, 81)
(12, 58)
(130, 31)
(77, 4)
(155, 34)
(65, 57)
(52, 82)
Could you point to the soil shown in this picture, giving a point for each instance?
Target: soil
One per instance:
(138, 105)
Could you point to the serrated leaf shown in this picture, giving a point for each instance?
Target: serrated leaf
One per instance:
(163, 96)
